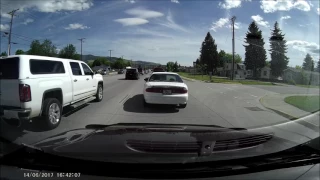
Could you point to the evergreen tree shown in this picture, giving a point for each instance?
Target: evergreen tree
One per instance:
(209, 53)
(308, 63)
(318, 66)
(278, 49)
(255, 55)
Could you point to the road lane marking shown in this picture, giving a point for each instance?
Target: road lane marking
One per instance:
(253, 95)
(124, 98)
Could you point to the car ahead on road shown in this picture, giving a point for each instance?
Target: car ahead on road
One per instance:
(132, 73)
(165, 88)
(39, 86)
(121, 71)
(158, 69)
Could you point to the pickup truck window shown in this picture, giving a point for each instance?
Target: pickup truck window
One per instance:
(9, 68)
(75, 68)
(46, 67)
(86, 69)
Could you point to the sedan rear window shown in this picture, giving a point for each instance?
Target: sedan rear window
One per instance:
(9, 68)
(131, 70)
(165, 78)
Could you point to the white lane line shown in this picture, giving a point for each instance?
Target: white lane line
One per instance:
(235, 97)
(253, 95)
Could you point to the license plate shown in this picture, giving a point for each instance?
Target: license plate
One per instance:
(166, 92)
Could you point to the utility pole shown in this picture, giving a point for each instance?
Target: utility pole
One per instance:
(12, 13)
(110, 54)
(233, 19)
(81, 40)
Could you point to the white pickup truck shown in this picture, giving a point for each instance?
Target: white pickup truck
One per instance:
(39, 86)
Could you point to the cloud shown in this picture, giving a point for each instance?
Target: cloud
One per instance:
(175, 1)
(27, 21)
(5, 15)
(304, 46)
(229, 4)
(131, 21)
(170, 23)
(270, 6)
(219, 24)
(259, 20)
(285, 17)
(48, 5)
(76, 26)
(131, 1)
(144, 13)
(4, 27)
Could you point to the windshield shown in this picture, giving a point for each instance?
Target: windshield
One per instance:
(165, 78)
(180, 81)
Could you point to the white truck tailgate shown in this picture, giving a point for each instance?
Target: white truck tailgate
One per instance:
(9, 81)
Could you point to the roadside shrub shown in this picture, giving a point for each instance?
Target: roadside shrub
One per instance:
(292, 82)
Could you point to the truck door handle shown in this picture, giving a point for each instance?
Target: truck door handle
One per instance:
(87, 79)
(75, 80)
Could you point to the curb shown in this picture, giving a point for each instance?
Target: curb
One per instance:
(281, 113)
(188, 79)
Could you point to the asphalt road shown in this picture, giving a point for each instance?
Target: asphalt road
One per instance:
(211, 104)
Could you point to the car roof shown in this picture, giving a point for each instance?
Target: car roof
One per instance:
(165, 73)
(42, 57)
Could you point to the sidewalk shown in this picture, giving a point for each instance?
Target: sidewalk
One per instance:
(276, 103)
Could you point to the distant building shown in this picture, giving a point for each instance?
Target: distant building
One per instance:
(265, 73)
(298, 76)
(239, 70)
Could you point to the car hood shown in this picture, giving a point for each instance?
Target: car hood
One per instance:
(154, 143)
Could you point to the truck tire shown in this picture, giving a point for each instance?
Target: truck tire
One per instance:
(99, 95)
(52, 112)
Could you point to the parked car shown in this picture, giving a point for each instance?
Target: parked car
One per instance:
(121, 71)
(104, 72)
(132, 73)
(39, 86)
(165, 88)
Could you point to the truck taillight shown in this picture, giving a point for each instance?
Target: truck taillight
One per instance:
(24, 92)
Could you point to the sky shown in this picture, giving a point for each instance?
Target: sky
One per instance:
(160, 30)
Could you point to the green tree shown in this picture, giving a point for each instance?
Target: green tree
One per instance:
(268, 63)
(318, 66)
(298, 67)
(278, 49)
(119, 64)
(19, 51)
(35, 48)
(175, 67)
(46, 48)
(308, 64)
(222, 56)
(209, 53)
(68, 52)
(170, 66)
(255, 55)
(3, 54)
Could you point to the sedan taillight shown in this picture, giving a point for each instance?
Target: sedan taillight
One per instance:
(24, 92)
(180, 90)
(154, 90)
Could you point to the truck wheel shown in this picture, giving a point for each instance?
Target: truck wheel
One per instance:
(99, 95)
(52, 111)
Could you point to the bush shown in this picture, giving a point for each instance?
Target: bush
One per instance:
(292, 82)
